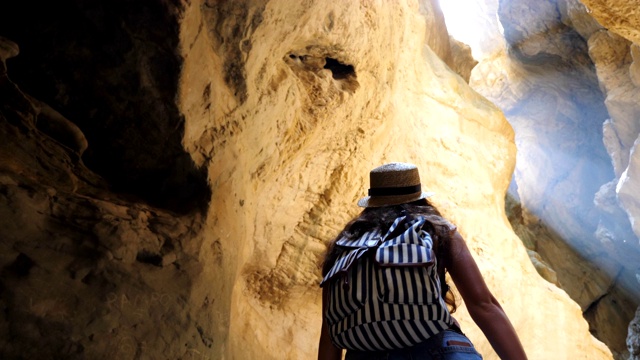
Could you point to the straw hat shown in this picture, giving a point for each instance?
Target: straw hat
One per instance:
(393, 184)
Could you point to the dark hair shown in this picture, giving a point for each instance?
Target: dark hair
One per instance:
(382, 218)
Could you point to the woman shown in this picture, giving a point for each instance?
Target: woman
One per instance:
(384, 294)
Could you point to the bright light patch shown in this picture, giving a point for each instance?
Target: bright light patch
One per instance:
(471, 22)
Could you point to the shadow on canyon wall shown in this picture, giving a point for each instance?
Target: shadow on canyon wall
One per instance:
(112, 69)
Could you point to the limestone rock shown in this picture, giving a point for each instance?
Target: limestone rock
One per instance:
(577, 16)
(463, 61)
(621, 17)
(633, 339)
(544, 81)
(634, 68)
(109, 68)
(274, 149)
(612, 60)
(231, 270)
(629, 187)
(84, 274)
(543, 268)
(612, 56)
(58, 127)
(8, 49)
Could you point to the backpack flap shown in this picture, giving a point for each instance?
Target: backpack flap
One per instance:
(411, 247)
(354, 250)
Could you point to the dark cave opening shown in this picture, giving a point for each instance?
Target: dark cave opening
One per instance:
(339, 70)
(113, 71)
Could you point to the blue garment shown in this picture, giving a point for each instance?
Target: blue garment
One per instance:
(447, 345)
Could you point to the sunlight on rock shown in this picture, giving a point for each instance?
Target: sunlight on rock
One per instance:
(171, 173)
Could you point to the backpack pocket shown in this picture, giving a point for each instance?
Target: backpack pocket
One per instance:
(349, 291)
(406, 271)
(407, 285)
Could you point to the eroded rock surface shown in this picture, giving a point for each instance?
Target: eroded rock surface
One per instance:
(566, 85)
(633, 339)
(621, 16)
(316, 135)
(86, 273)
(286, 105)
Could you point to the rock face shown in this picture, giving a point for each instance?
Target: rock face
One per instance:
(285, 106)
(88, 268)
(325, 105)
(620, 17)
(633, 340)
(567, 86)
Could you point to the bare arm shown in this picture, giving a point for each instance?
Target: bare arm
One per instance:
(483, 307)
(326, 349)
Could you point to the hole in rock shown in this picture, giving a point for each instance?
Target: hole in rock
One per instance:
(339, 70)
(22, 265)
(149, 258)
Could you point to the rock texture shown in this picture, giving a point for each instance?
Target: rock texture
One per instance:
(633, 340)
(620, 17)
(122, 250)
(332, 89)
(566, 85)
(88, 271)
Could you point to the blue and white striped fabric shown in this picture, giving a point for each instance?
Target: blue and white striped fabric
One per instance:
(384, 291)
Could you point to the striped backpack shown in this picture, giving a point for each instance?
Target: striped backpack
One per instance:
(384, 290)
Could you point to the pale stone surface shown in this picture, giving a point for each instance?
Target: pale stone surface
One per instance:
(545, 83)
(612, 56)
(619, 76)
(463, 62)
(619, 16)
(289, 152)
(629, 187)
(576, 15)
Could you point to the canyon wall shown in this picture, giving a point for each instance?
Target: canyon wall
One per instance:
(565, 83)
(311, 97)
(171, 173)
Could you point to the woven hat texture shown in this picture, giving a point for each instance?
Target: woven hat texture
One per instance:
(394, 184)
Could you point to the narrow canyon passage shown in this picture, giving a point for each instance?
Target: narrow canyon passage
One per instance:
(172, 171)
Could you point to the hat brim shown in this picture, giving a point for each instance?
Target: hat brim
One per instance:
(380, 201)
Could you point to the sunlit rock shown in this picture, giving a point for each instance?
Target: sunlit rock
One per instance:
(289, 142)
(629, 187)
(576, 15)
(544, 81)
(620, 16)
(542, 267)
(612, 58)
(462, 60)
(286, 106)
